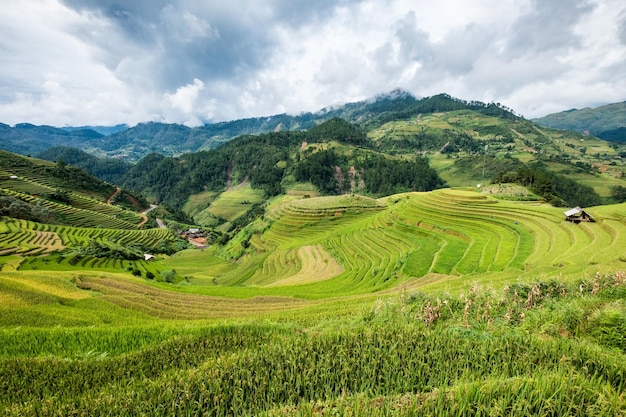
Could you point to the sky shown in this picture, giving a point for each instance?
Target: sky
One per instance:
(105, 62)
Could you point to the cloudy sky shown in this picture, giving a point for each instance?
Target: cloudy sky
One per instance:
(103, 62)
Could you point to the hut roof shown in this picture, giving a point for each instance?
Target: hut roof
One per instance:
(573, 212)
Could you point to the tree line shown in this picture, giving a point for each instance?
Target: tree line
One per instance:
(556, 189)
(266, 160)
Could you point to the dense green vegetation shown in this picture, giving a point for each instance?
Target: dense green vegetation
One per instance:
(545, 348)
(268, 160)
(556, 189)
(614, 135)
(335, 275)
(337, 157)
(108, 169)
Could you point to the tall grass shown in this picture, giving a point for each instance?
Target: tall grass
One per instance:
(420, 355)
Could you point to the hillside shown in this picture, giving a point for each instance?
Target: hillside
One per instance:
(108, 169)
(607, 122)
(75, 219)
(332, 158)
(458, 147)
(172, 139)
(406, 305)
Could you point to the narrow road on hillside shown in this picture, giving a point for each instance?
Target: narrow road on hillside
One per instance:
(112, 196)
(144, 217)
(161, 224)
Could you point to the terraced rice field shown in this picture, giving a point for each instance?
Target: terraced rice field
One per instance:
(30, 238)
(328, 247)
(29, 189)
(27, 242)
(166, 304)
(339, 306)
(35, 247)
(235, 202)
(93, 213)
(454, 235)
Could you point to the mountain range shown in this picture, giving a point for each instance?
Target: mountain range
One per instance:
(132, 143)
(356, 147)
(135, 142)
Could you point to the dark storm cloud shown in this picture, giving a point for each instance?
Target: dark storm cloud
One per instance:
(547, 26)
(204, 40)
(181, 44)
(136, 18)
(295, 13)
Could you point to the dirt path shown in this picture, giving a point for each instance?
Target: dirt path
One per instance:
(144, 217)
(148, 210)
(112, 196)
(143, 221)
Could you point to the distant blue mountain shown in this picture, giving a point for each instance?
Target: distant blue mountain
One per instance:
(103, 130)
(132, 143)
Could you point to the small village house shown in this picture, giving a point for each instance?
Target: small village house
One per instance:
(577, 215)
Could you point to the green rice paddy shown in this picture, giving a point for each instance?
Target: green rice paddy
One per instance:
(446, 302)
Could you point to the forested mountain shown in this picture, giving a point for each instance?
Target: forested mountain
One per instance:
(606, 122)
(337, 157)
(270, 160)
(614, 135)
(103, 130)
(28, 139)
(392, 143)
(108, 169)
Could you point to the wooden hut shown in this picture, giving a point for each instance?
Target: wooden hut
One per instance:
(577, 215)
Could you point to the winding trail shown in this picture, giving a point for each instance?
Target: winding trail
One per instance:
(112, 196)
(144, 217)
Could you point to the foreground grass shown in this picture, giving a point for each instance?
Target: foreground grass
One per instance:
(543, 348)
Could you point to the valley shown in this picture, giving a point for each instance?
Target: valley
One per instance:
(418, 262)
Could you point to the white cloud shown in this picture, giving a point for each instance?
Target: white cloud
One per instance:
(183, 105)
(74, 62)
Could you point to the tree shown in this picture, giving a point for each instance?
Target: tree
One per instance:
(169, 276)
(619, 193)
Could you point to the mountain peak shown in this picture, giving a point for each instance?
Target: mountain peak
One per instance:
(393, 94)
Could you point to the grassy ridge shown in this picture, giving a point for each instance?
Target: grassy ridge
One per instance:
(410, 355)
(506, 138)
